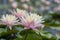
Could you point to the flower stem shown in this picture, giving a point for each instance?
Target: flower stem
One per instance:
(40, 36)
(25, 38)
(10, 27)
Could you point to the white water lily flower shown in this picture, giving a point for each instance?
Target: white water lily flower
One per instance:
(9, 20)
(32, 21)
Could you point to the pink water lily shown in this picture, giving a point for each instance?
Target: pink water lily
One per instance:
(19, 13)
(9, 20)
(32, 21)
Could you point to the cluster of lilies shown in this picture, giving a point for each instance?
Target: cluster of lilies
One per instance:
(28, 20)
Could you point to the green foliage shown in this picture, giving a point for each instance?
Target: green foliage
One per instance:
(21, 34)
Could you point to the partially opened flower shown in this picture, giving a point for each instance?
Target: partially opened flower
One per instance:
(57, 1)
(25, 1)
(9, 20)
(14, 5)
(25, 6)
(19, 13)
(10, 0)
(32, 21)
(57, 9)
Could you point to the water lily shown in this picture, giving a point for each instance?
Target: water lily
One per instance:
(19, 13)
(32, 21)
(9, 20)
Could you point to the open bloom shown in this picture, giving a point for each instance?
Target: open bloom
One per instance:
(32, 21)
(19, 13)
(9, 20)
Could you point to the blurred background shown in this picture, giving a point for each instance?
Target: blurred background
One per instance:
(49, 9)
